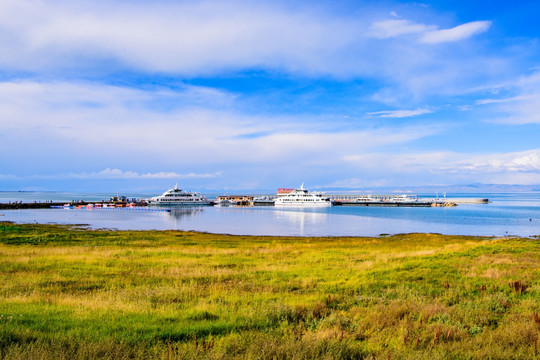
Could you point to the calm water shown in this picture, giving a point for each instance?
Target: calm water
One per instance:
(514, 214)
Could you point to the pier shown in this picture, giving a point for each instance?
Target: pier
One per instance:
(470, 201)
(388, 200)
(19, 205)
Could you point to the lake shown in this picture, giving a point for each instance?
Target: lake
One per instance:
(506, 214)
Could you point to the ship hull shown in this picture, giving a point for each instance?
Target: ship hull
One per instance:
(303, 204)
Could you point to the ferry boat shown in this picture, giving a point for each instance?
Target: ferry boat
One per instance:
(302, 198)
(176, 196)
(263, 201)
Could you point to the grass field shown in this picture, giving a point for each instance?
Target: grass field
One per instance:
(72, 293)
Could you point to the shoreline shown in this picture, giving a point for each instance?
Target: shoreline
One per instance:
(87, 227)
(515, 216)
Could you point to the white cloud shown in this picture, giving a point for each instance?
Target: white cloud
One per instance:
(7, 176)
(504, 100)
(428, 34)
(401, 163)
(353, 183)
(522, 107)
(399, 113)
(109, 173)
(69, 95)
(451, 162)
(393, 28)
(520, 178)
(528, 161)
(121, 126)
(119, 174)
(444, 167)
(417, 71)
(178, 37)
(457, 33)
(69, 38)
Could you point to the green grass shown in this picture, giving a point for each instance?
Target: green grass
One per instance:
(72, 293)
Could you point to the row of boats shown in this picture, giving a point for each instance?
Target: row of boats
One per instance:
(294, 197)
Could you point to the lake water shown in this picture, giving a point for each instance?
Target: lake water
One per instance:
(506, 214)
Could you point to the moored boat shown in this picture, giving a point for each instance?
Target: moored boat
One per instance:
(176, 196)
(263, 201)
(224, 202)
(303, 198)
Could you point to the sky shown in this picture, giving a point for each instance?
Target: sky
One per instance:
(255, 95)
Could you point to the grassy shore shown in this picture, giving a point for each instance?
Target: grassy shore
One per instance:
(71, 293)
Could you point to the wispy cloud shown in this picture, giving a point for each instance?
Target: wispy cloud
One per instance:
(457, 33)
(517, 105)
(118, 132)
(428, 34)
(447, 167)
(177, 37)
(8, 176)
(393, 28)
(452, 162)
(504, 100)
(109, 173)
(528, 161)
(213, 37)
(119, 174)
(399, 113)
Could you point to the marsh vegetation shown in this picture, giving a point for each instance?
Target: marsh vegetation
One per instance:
(73, 293)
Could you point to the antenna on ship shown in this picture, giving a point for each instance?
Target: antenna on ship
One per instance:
(176, 186)
(302, 186)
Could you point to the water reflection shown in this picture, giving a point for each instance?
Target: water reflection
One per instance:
(301, 220)
(178, 215)
(500, 217)
(186, 211)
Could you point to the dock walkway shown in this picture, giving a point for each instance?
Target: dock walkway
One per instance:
(388, 200)
(17, 205)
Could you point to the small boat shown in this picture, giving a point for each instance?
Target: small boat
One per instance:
(225, 202)
(263, 201)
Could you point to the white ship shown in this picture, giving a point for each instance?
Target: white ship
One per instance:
(302, 198)
(178, 197)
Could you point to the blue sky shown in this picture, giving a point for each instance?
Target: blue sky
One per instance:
(255, 95)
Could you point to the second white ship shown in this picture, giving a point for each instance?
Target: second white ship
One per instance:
(302, 198)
